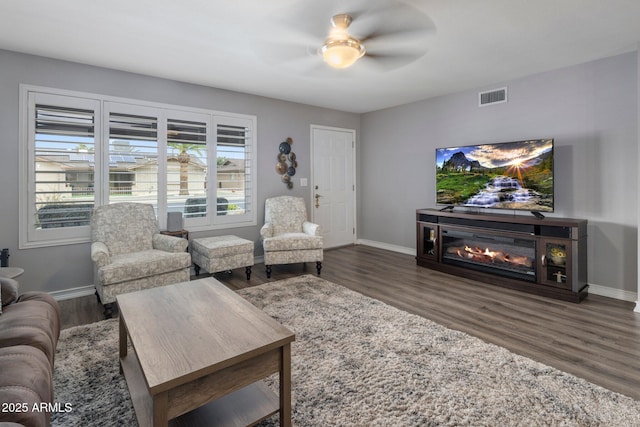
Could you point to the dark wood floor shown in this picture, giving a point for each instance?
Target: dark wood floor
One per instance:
(598, 340)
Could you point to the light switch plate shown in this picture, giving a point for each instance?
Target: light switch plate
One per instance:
(303, 182)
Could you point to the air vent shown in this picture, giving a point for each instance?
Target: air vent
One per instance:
(491, 97)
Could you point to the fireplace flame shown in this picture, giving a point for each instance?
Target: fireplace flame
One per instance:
(489, 256)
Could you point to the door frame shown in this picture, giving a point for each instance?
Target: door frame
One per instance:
(353, 167)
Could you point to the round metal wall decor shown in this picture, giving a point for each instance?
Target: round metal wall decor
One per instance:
(287, 164)
(285, 147)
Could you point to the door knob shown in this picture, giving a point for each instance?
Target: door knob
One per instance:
(318, 200)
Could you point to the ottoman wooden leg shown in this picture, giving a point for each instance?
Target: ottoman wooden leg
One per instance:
(319, 266)
(197, 268)
(268, 271)
(248, 271)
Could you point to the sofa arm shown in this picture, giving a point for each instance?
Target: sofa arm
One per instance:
(8, 290)
(311, 228)
(100, 254)
(266, 230)
(25, 381)
(167, 243)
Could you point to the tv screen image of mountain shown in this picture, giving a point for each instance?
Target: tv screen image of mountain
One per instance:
(508, 175)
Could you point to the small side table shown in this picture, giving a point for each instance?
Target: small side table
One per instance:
(11, 272)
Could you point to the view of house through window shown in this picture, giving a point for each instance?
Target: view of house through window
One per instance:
(133, 158)
(232, 170)
(187, 167)
(64, 141)
(144, 153)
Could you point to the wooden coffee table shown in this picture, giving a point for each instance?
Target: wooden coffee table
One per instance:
(200, 353)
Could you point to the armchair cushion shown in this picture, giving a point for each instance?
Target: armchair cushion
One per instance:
(292, 242)
(140, 264)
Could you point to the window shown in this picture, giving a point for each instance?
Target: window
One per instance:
(133, 158)
(233, 168)
(187, 166)
(84, 150)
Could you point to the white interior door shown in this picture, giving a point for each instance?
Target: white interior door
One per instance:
(333, 184)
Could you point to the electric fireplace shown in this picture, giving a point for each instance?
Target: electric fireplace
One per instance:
(544, 256)
(508, 256)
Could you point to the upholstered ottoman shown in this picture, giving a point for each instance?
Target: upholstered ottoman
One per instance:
(221, 253)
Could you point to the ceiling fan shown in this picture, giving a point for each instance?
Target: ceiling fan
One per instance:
(382, 34)
(341, 50)
(395, 34)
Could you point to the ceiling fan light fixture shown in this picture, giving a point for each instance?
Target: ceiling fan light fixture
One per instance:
(342, 53)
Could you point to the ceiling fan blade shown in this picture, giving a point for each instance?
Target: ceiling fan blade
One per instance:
(397, 20)
(312, 18)
(294, 59)
(391, 61)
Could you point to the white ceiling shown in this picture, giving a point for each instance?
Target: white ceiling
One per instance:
(267, 47)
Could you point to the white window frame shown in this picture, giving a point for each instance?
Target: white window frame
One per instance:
(31, 237)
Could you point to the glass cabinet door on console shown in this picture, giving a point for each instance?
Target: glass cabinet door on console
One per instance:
(428, 240)
(555, 261)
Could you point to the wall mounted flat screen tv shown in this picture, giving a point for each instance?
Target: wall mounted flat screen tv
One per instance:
(510, 175)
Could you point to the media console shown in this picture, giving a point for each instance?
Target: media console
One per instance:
(544, 256)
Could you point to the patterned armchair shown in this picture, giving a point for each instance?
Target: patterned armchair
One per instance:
(287, 236)
(130, 254)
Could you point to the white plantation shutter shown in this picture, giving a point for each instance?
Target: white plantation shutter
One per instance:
(133, 158)
(84, 150)
(187, 162)
(64, 166)
(235, 172)
(58, 175)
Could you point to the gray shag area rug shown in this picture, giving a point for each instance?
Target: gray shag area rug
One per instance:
(359, 362)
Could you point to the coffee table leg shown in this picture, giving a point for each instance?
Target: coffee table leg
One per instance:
(123, 340)
(160, 409)
(285, 387)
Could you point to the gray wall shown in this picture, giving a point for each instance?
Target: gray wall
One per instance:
(67, 267)
(592, 112)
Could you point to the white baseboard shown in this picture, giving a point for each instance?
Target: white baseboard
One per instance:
(387, 246)
(620, 294)
(81, 291)
(604, 291)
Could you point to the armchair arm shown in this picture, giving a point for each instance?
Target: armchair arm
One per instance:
(311, 228)
(266, 230)
(168, 243)
(100, 254)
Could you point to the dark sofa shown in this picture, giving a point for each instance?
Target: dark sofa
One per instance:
(29, 332)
